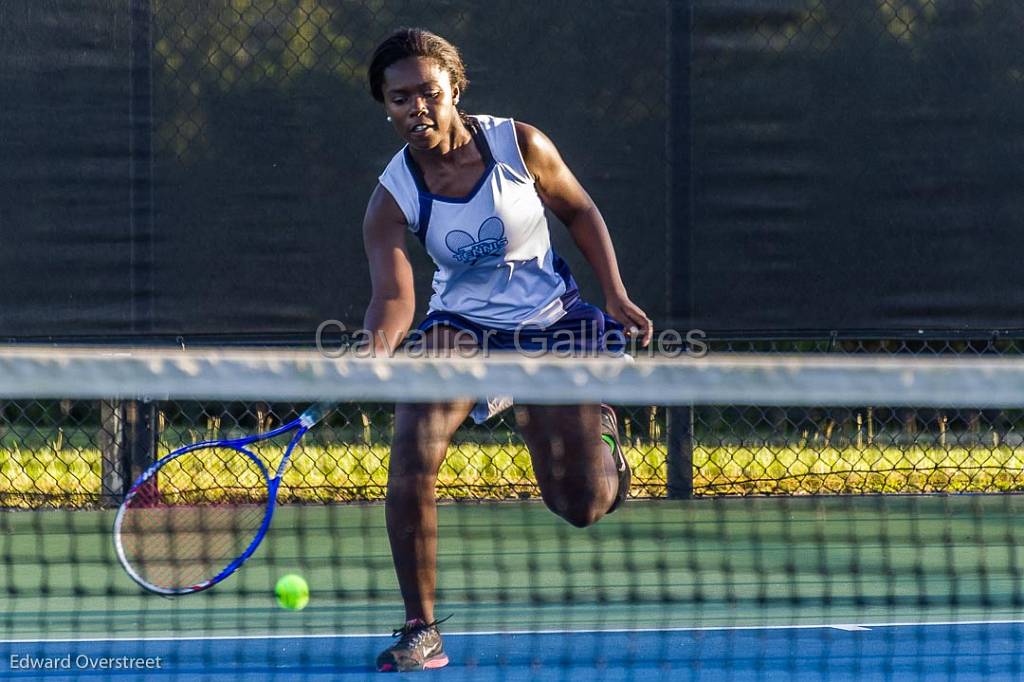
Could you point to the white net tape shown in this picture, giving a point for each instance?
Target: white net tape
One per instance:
(733, 379)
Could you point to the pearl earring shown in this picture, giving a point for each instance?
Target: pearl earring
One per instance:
(389, 119)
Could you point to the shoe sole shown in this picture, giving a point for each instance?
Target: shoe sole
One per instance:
(438, 662)
(430, 664)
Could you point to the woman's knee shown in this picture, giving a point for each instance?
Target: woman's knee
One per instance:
(410, 486)
(580, 510)
(583, 516)
(415, 461)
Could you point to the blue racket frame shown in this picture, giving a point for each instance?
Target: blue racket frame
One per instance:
(306, 421)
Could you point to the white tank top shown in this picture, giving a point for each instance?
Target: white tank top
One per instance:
(492, 248)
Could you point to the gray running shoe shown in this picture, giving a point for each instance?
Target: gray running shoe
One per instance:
(419, 647)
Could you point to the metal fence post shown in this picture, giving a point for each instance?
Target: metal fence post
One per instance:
(678, 226)
(111, 442)
(680, 453)
(140, 438)
(140, 142)
(128, 440)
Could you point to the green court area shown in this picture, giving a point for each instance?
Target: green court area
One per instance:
(515, 566)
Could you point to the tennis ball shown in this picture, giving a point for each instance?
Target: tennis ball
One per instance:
(292, 592)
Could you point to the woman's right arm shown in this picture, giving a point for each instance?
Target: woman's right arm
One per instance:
(393, 300)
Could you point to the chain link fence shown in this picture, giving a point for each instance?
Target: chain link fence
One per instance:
(871, 449)
(82, 453)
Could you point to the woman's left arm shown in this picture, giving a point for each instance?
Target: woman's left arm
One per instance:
(562, 193)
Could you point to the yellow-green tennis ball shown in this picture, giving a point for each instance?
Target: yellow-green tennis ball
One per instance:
(292, 592)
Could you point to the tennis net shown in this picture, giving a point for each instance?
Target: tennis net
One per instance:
(689, 580)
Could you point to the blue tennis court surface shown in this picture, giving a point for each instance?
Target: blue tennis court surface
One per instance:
(959, 651)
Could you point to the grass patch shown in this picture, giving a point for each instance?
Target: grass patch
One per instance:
(741, 470)
(49, 476)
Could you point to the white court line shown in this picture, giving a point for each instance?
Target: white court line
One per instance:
(715, 628)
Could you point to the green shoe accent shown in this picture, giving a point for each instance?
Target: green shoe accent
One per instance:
(610, 426)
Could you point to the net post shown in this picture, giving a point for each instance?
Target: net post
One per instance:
(680, 452)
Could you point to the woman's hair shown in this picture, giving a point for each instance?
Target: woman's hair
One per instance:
(415, 42)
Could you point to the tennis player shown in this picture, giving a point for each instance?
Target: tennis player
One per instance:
(473, 190)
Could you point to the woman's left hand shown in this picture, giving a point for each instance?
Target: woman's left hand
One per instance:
(632, 317)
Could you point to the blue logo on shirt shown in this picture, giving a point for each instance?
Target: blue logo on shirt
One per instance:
(490, 240)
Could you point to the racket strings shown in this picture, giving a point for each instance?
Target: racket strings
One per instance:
(193, 517)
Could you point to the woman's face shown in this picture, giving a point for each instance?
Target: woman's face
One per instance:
(419, 98)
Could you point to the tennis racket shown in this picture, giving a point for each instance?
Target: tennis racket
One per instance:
(193, 517)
